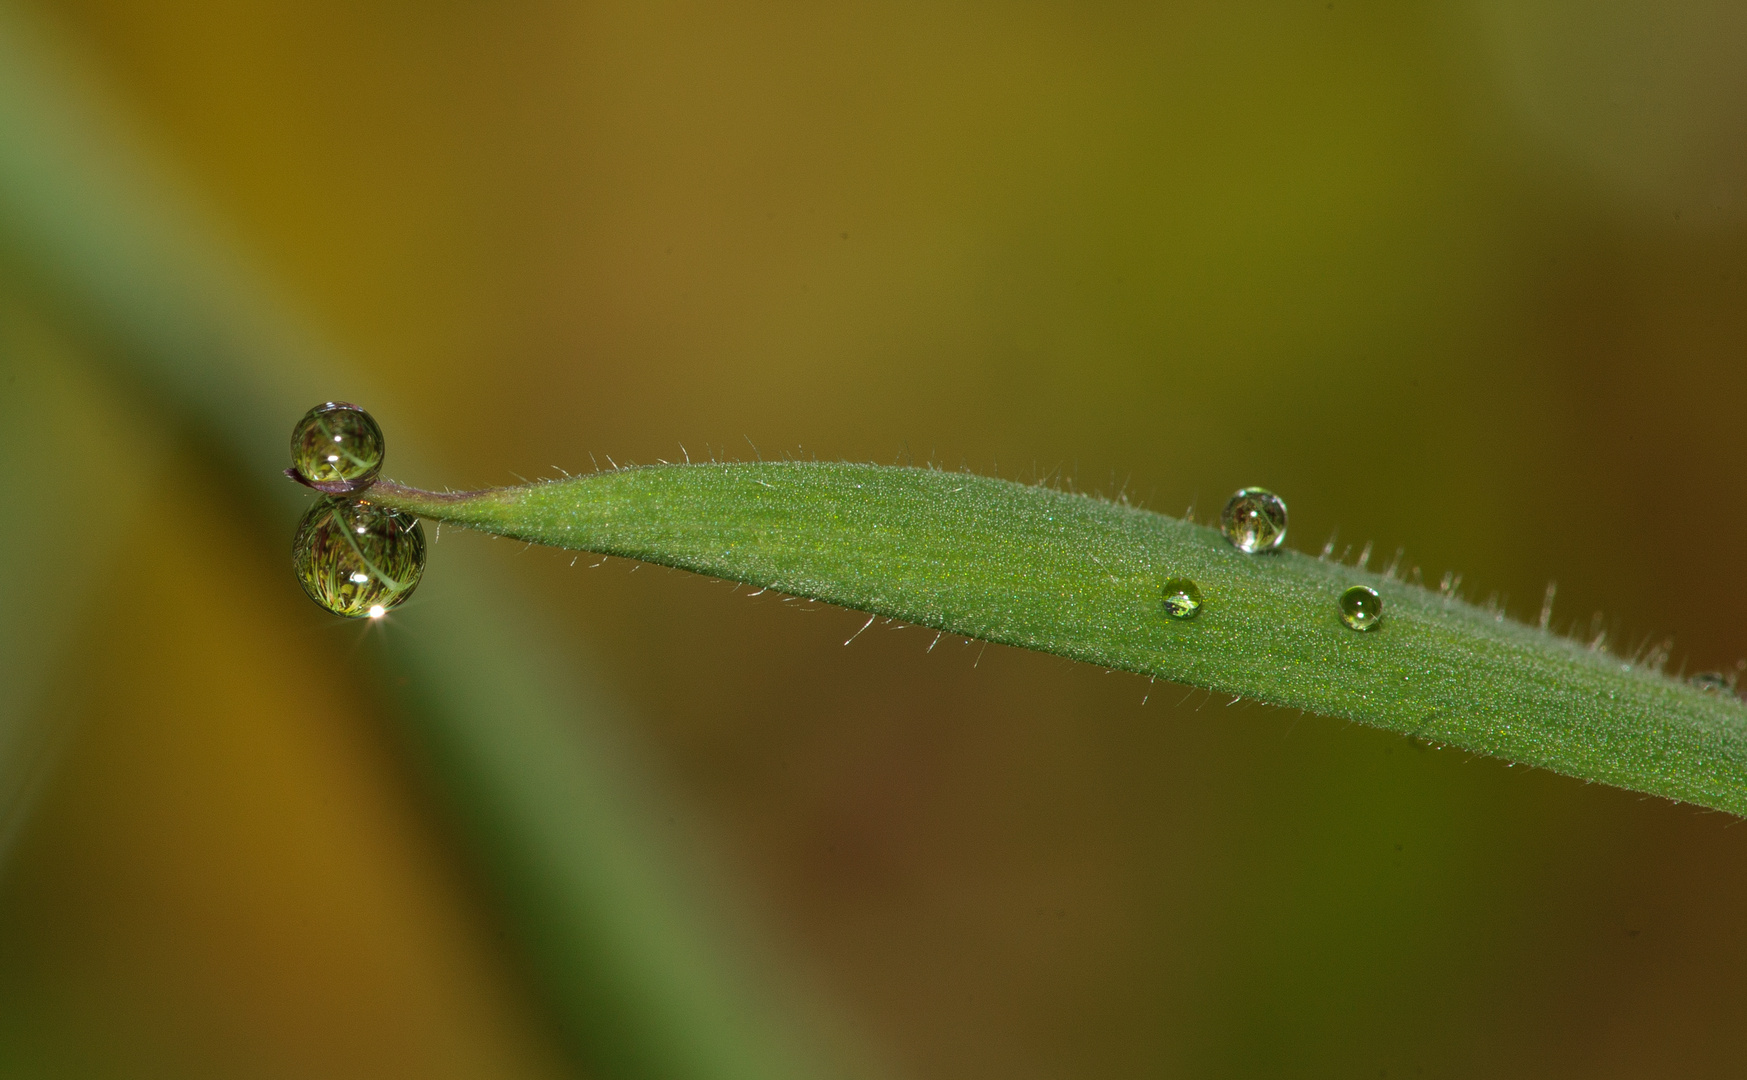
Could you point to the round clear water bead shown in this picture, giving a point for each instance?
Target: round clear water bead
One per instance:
(337, 448)
(1254, 520)
(358, 559)
(1182, 598)
(1361, 608)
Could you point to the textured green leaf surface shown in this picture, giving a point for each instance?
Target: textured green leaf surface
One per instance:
(1080, 577)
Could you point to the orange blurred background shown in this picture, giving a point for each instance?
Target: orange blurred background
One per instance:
(1467, 279)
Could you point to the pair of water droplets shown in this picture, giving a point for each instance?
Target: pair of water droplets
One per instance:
(1254, 520)
(352, 556)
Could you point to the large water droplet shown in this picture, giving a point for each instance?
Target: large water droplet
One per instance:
(358, 559)
(1361, 607)
(337, 448)
(1182, 598)
(1254, 520)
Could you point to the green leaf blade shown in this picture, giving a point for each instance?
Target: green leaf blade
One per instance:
(1080, 577)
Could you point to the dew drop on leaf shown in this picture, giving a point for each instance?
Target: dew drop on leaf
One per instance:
(1711, 681)
(337, 448)
(1361, 608)
(358, 559)
(1182, 598)
(1254, 520)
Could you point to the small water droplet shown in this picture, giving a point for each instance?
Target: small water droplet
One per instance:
(358, 559)
(1254, 520)
(1361, 608)
(337, 448)
(1182, 598)
(1714, 682)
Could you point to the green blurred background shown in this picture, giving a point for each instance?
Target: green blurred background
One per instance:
(1469, 279)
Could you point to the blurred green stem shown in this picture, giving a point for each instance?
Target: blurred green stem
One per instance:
(646, 972)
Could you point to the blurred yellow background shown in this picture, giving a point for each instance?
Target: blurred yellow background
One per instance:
(1466, 279)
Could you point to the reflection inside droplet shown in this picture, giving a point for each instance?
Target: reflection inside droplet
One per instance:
(1254, 520)
(337, 448)
(1182, 598)
(358, 559)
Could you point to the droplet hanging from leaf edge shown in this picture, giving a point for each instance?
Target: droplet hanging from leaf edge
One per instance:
(358, 559)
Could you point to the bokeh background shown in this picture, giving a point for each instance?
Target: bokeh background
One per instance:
(1468, 279)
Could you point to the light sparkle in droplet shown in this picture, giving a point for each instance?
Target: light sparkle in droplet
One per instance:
(1361, 608)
